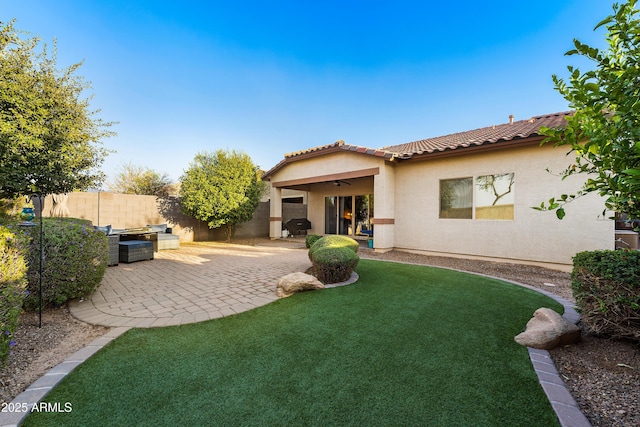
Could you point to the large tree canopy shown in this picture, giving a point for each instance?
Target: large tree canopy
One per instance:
(50, 141)
(604, 132)
(221, 189)
(133, 179)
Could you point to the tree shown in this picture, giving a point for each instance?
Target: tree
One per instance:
(604, 131)
(138, 180)
(50, 141)
(221, 189)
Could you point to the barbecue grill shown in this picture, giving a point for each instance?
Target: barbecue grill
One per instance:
(298, 226)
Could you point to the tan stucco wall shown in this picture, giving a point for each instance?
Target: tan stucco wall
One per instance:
(326, 165)
(408, 194)
(531, 236)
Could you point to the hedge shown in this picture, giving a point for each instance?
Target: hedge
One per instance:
(13, 268)
(334, 265)
(334, 258)
(75, 259)
(334, 241)
(311, 239)
(606, 286)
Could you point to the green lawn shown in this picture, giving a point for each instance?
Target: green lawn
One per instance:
(406, 345)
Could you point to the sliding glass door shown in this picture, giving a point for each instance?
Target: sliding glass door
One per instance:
(330, 215)
(348, 215)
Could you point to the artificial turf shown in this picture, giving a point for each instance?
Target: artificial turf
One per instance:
(405, 345)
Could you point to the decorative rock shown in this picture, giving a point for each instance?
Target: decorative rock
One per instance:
(548, 330)
(296, 282)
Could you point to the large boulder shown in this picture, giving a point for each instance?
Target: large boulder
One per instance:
(296, 282)
(548, 330)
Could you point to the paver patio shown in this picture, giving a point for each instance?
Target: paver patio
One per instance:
(192, 284)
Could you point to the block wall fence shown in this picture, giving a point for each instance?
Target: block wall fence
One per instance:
(131, 211)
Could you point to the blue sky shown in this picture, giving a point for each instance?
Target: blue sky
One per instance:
(270, 78)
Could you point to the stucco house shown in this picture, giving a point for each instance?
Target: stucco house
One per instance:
(468, 194)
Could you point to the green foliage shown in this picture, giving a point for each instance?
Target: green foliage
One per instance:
(49, 138)
(13, 268)
(221, 189)
(10, 208)
(75, 260)
(334, 241)
(334, 257)
(138, 180)
(604, 132)
(333, 265)
(311, 239)
(606, 286)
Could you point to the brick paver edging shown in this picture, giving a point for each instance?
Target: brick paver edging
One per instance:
(562, 402)
(25, 401)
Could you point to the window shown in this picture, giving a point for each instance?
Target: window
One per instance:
(482, 197)
(494, 196)
(456, 198)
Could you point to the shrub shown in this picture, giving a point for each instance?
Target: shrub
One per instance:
(606, 286)
(333, 265)
(13, 268)
(10, 208)
(311, 239)
(75, 258)
(334, 241)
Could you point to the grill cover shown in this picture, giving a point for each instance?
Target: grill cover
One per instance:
(298, 225)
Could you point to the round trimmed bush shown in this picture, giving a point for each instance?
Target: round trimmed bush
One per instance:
(75, 259)
(334, 241)
(333, 265)
(311, 239)
(13, 269)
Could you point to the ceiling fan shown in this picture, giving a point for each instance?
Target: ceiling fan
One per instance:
(338, 182)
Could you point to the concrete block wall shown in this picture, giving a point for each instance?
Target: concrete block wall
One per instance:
(259, 224)
(130, 211)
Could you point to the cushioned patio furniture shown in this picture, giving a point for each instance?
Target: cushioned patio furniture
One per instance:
(166, 240)
(114, 248)
(135, 250)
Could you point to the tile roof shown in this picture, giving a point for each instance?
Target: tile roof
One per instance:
(489, 135)
(326, 149)
(340, 145)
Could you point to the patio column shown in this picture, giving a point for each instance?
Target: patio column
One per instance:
(384, 209)
(275, 213)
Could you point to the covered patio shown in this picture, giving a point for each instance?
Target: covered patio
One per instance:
(350, 191)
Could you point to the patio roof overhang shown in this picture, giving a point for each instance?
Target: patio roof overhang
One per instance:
(304, 183)
(336, 147)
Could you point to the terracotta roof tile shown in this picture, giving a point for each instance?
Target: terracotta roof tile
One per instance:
(340, 145)
(488, 135)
